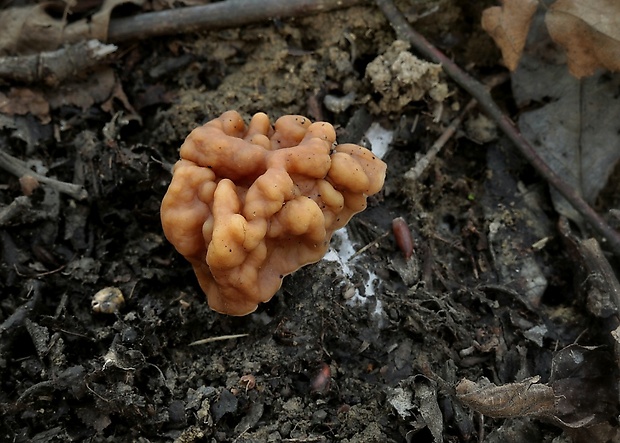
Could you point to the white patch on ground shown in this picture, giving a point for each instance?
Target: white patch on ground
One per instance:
(342, 252)
(379, 139)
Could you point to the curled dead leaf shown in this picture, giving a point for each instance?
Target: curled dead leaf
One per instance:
(511, 400)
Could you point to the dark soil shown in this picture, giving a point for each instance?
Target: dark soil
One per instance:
(313, 365)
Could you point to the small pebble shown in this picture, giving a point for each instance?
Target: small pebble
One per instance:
(108, 301)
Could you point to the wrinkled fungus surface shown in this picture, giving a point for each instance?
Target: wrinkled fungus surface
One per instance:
(248, 205)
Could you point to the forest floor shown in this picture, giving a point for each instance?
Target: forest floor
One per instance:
(362, 348)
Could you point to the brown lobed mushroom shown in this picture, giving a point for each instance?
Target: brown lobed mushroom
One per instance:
(249, 205)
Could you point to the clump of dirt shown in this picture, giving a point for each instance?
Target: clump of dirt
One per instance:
(279, 71)
(402, 78)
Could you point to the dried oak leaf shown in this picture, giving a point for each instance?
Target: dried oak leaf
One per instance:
(589, 30)
(508, 25)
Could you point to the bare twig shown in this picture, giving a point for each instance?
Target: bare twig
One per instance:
(53, 67)
(220, 15)
(18, 317)
(47, 384)
(479, 92)
(15, 208)
(19, 168)
(218, 338)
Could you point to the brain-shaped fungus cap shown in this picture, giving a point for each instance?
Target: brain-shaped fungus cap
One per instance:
(249, 205)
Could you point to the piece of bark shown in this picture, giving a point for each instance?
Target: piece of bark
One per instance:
(52, 67)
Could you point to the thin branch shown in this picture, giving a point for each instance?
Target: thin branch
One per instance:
(220, 15)
(18, 317)
(47, 384)
(204, 341)
(405, 32)
(17, 207)
(19, 168)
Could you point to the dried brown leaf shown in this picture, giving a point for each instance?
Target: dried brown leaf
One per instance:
(511, 400)
(589, 30)
(101, 87)
(508, 26)
(22, 101)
